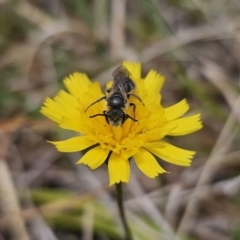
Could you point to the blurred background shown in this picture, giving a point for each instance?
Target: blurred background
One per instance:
(195, 44)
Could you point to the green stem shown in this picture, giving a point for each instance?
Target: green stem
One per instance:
(128, 234)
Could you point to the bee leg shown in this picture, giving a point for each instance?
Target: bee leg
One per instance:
(99, 114)
(93, 116)
(134, 108)
(98, 100)
(128, 116)
(136, 96)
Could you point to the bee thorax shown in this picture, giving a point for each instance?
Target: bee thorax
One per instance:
(116, 101)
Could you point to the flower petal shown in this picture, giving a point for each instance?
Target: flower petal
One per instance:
(177, 110)
(53, 115)
(74, 144)
(153, 82)
(75, 124)
(170, 153)
(66, 99)
(77, 84)
(94, 157)
(147, 163)
(55, 110)
(156, 134)
(117, 132)
(134, 68)
(118, 169)
(186, 125)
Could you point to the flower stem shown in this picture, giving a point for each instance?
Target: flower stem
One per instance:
(128, 234)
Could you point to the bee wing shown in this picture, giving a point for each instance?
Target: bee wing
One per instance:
(121, 70)
(121, 76)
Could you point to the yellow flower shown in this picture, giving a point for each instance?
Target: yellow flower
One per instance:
(139, 141)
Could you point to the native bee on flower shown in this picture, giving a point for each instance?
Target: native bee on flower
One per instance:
(117, 98)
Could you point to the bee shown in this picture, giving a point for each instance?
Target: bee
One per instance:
(117, 99)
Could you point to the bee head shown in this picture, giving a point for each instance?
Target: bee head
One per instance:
(115, 117)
